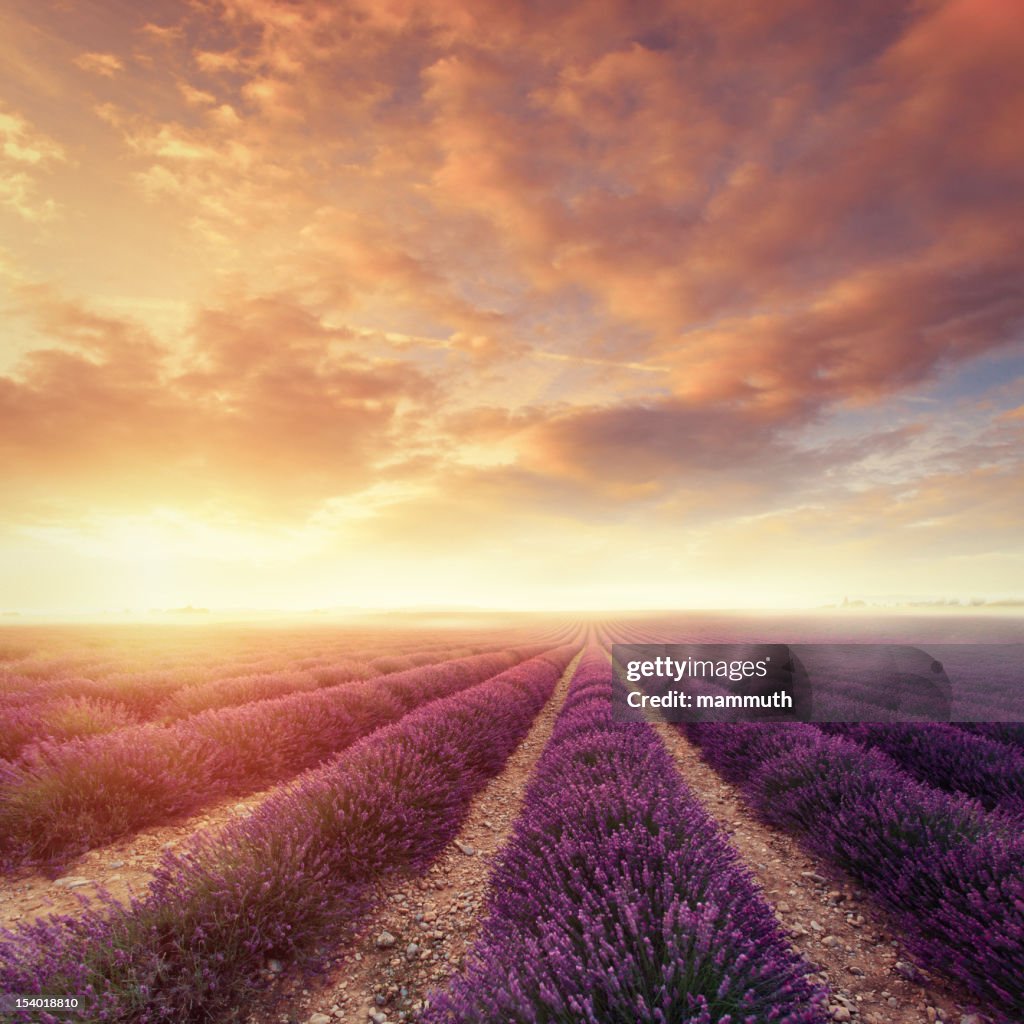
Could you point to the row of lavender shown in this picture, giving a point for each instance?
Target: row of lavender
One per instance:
(947, 757)
(143, 688)
(952, 874)
(985, 685)
(129, 658)
(296, 874)
(56, 710)
(235, 690)
(74, 796)
(618, 899)
(1011, 733)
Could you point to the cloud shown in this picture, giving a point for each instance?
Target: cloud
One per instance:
(26, 155)
(257, 417)
(535, 265)
(107, 65)
(722, 187)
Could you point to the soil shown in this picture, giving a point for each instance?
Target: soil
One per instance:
(853, 943)
(422, 926)
(433, 919)
(124, 867)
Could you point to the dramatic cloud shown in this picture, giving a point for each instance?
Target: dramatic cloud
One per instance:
(258, 416)
(395, 276)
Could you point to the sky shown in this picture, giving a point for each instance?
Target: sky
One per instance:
(510, 304)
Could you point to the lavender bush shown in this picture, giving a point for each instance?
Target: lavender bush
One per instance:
(949, 758)
(296, 872)
(234, 691)
(1011, 733)
(186, 687)
(56, 720)
(245, 689)
(618, 899)
(951, 873)
(66, 798)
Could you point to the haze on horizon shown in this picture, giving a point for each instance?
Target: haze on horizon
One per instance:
(581, 305)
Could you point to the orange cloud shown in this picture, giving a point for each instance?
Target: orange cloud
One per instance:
(572, 264)
(104, 64)
(111, 419)
(26, 155)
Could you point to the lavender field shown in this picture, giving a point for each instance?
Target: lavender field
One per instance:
(375, 376)
(449, 825)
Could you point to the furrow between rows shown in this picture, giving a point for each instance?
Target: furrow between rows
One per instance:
(828, 920)
(421, 925)
(295, 874)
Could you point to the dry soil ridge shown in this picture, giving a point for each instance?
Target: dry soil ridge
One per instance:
(421, 926)
(830, 921)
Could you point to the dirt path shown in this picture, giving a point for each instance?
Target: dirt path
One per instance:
(829, 920)
(124, 867)
(422, 926)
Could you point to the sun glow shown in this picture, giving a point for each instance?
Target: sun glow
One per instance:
(311, 309)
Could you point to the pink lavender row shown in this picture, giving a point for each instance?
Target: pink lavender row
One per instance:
(39, 719)
(73, 796)
(233, 691)
(617, 898)
(35, 716)
(56, 719)
(293, 876)
(143, 691)
(158, 695)
(146, 693)
(949, 758)
(952, 874)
